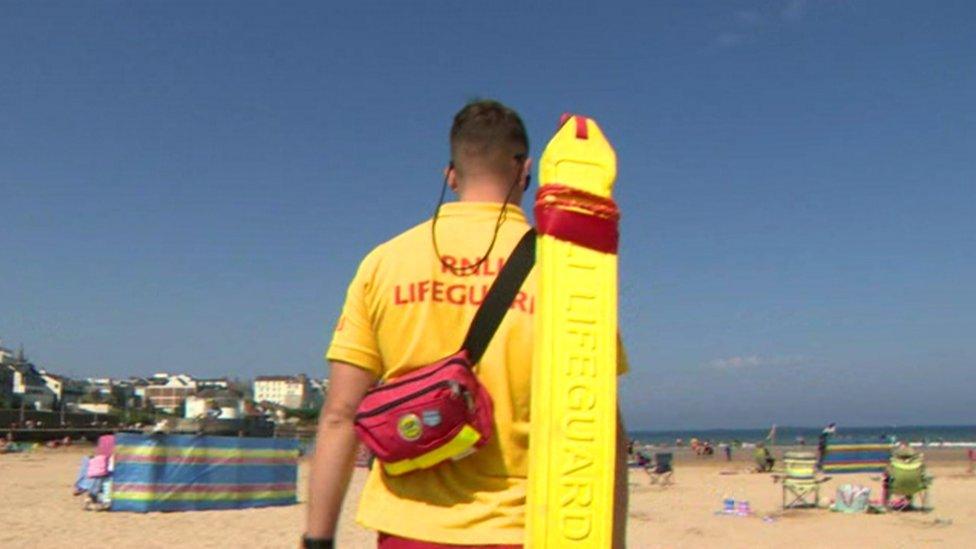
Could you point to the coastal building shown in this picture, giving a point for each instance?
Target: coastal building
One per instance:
(28, 388)
(72, 390)
(218, 404)
(67, 392)
(119, 393)
(139, 385)
(6, 355)
(102, 386)
(169, 395)
(23, 384)
(286, 391)
(55, 383)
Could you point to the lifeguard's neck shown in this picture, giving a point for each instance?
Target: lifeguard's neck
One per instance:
(489, 191)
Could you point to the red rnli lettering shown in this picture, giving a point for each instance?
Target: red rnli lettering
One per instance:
(436, 291)
(471, 293)
(397, 298)
(488, 267)
(457, 294)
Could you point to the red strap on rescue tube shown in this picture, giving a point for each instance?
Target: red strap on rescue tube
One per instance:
(578, 217)
(581, 130)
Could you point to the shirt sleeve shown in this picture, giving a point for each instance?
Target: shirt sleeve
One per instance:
(354, 339)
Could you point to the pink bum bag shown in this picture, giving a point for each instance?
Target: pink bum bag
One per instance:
(441, 411)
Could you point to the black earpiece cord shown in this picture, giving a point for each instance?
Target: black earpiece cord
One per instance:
(470, 269)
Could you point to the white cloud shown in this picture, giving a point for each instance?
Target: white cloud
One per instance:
(754, 361)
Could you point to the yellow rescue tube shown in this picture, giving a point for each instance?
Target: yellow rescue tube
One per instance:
(574, 368)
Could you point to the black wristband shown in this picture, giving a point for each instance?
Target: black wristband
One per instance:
(317, 543)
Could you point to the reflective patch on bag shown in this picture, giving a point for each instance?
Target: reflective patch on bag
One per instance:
(432, 418)
(409, 427)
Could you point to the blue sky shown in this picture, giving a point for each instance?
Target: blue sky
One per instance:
(189, 186)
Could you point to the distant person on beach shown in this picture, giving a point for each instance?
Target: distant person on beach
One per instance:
(410, 304)
(828, 431)
(764, 458)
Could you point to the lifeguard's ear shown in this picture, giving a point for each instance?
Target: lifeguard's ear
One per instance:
(526, 174)
(450, 173)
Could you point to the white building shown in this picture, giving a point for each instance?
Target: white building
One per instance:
(28, 387)
(67, 392)
(287, 391)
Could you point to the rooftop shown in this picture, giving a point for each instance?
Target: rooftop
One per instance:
(299, 378)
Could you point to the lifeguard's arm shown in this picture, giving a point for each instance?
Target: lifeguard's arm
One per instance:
(621, 490)
(335, 448)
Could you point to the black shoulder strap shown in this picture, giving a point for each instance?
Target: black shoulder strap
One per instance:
(500, 297)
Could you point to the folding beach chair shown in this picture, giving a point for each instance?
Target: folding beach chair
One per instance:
(801, 487)
(906, 477)
(661, 469)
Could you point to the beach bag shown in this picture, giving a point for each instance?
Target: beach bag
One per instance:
(441, 411)
(852, 498)
(98, 466)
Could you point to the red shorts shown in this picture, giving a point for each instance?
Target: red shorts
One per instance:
(387, 541)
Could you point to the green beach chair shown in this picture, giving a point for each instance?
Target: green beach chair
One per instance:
(906, 477)
(801, 487)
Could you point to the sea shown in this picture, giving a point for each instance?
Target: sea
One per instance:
(927, 435)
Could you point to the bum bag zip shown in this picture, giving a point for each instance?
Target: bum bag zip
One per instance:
(399, 383)
(420, 392)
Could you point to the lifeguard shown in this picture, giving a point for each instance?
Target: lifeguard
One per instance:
(410, 303)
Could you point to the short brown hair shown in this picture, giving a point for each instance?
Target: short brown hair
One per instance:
(487, 135)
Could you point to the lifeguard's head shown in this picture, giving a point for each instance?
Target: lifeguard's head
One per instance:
(489, 153)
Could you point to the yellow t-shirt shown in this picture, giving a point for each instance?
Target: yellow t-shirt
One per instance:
(404, 310)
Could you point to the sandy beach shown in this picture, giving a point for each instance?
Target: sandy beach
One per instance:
(37, 509)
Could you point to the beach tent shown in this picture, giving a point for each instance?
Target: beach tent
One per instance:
(162, 472)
